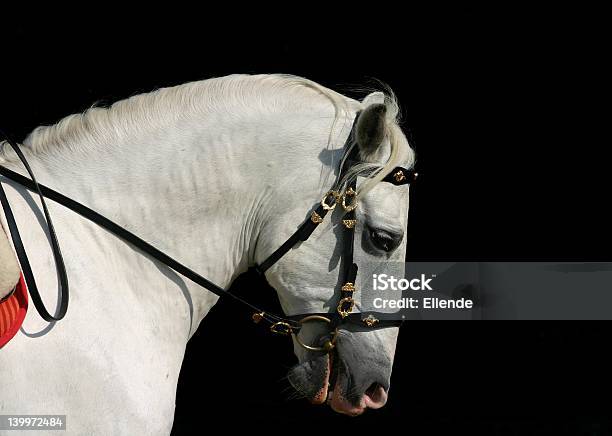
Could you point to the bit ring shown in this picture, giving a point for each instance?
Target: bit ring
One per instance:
(328, 346)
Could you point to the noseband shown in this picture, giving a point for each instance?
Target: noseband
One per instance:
(288, 325)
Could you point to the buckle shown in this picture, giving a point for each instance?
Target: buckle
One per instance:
(281, 328)
(345, 311)
(349, 193)
(324, 202)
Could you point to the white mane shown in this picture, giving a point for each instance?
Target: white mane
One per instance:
(160, 108)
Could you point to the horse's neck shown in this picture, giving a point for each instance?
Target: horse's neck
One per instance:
(9, 270)
(201, 193)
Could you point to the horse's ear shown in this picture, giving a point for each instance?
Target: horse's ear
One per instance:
(371, 124)
(373, 98)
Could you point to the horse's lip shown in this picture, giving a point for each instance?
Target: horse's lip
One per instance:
(321, 396)
(337, 396)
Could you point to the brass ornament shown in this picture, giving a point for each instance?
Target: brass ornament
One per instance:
(341, 310)
(349, 224)
(316, 218)
(257, 317)
(324, 203)
(399, 176)
(370, 321)
(348, 287)
(349, 193)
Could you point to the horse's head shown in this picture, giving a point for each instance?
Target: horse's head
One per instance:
(356, 374)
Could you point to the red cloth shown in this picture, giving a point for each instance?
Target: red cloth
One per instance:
(12, 312)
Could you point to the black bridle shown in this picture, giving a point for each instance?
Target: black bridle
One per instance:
(288, 325)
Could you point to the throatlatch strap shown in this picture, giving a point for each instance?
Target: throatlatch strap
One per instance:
(301, 234)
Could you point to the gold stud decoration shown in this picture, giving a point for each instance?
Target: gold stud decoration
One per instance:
(399, 176)
(349, 224)
(316, 218)
(348, 287)
(370, 321)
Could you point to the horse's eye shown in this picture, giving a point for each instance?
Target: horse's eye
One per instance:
(383, 239)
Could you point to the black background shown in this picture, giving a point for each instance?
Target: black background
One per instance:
(500, 106)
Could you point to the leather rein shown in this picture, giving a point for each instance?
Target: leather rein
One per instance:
(287, 325)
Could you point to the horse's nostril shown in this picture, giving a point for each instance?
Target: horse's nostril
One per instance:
(372, 389)
(375, 396)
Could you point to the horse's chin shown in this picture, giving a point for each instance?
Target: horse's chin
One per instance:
(311, 378)
(326, 379)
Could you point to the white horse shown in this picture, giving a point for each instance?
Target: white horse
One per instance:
(9, 269)
(217, 173)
